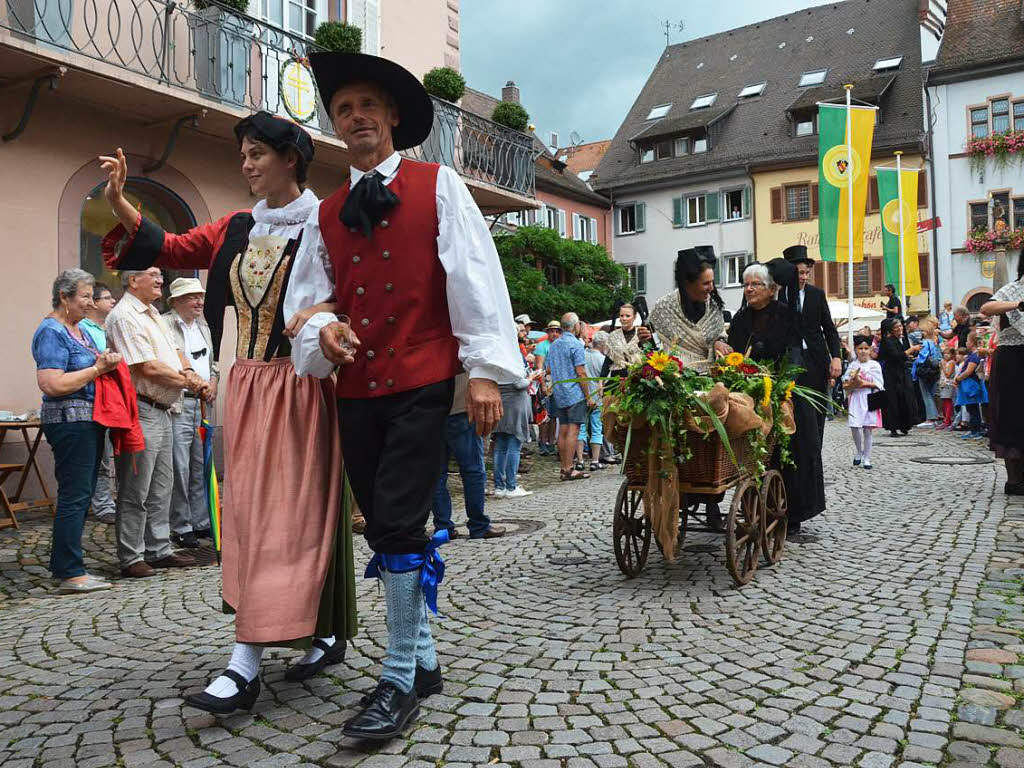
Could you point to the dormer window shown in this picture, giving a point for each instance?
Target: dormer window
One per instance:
(752, 90)
(659, 111)
(817, 77)
(884, 65)
(647, 154)
(805, 126)
(704, 101)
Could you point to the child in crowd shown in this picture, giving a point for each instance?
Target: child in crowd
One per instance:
(946, 391)
(863, 377)
(959, 357)
(971, 391)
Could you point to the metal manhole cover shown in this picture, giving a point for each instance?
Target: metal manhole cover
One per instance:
(567, 560)
(520, 526)
(701, 548)
(897, 443)
(953, 460)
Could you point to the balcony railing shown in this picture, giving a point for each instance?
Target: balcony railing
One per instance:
(240, 60)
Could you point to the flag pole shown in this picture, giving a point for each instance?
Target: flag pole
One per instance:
(849, 215)
(899, 224)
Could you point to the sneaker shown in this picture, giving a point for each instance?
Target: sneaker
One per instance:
(867, 465)
(518, 492)
(500, 493)
(107, 518)
(856, 462)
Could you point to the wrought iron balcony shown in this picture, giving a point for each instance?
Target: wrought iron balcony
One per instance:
(246, 62)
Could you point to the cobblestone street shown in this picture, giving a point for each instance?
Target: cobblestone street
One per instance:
(856, 650)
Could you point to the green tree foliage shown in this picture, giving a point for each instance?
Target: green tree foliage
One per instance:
(445, 83)
(339, 36)
(235, 5)
(511, 115)
(593, 282)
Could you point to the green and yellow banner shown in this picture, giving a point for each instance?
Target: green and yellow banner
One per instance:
(836, 164)
(890, 184)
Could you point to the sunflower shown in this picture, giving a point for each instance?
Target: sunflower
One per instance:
(789, 389)
(767, 399)
(735, 359)
(658, 360)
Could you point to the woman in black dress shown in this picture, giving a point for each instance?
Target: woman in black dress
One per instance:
(767, 330)
(900, 412)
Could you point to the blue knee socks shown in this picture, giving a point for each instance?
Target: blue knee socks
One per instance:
(406, 621)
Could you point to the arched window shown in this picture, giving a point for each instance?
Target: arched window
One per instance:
(159, 204)
(975, 302)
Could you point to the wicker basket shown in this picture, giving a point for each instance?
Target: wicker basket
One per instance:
(710, 464)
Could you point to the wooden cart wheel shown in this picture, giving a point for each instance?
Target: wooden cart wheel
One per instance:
(774, 517)
(743, 532)
(631, 530)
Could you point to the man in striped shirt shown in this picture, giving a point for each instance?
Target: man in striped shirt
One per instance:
(159, 374)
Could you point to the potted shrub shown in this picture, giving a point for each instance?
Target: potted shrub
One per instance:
(515, 151)
(446, 85)
(222, 38)
(339, 36)
(511, 115)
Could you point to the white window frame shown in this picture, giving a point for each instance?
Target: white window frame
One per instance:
(635, 271)
(891, 62)
(659, 111)
(700, 145)
(805, 132)
(814, 77)
(685, 141)
(620, 212)
(726, 210)
(646, 155)
(561, 222)
(755, 89)
(702, 102)
(593, 230)
(701, 210)
(740, 261)
(551, 217)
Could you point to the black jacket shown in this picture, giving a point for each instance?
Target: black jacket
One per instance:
(818, 330)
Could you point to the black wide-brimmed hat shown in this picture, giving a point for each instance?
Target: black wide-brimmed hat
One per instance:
(276, 132)
(698, 254)
(797, 254)
(334, 70)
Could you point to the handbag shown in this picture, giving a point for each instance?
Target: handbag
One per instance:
(877, 401)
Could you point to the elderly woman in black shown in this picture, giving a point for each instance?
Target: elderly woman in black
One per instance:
(900, 412)
(767, 329)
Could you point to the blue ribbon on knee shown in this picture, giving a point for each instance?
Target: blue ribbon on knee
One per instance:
(429, 563)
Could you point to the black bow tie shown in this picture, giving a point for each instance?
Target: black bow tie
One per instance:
(367, 203)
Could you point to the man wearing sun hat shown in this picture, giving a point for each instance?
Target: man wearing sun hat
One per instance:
(421, 297)
(187, 326)
(548, 431)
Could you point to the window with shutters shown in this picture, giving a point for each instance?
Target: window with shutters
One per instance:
(818, 274)
(979, 122)
(805, 127)
(922, 189)
(732, 204)
(861, 278)
(833, 278)
(551, 217)
(681, 146)
(637, 278)
(631, 218)
(734, 266)
(798, 202)
(978, 216)
(924, 262)
(696, 211)
(1018, 213)
(876, 274)
(582, 228)
(593, 229)
(1018, 115)
(1001, 116)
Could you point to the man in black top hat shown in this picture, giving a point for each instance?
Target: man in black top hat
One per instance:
(822, 349)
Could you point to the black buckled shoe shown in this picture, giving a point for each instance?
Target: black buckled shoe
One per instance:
(386, 715)
(428, 682)
(332, 654)
(248, 692)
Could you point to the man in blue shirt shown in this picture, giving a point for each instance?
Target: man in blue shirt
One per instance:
(566, 360)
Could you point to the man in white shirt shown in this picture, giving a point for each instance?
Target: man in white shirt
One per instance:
(159, 374)
(190, 515)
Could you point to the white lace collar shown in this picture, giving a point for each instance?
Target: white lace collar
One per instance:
(296, 212)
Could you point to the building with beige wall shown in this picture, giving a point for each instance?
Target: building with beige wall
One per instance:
(786, 213)
(169, 93)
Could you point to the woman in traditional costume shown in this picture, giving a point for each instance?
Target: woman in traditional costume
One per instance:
(768, 330)
(900, 412)
(1006, 412)
(287, 541)
(624, 343)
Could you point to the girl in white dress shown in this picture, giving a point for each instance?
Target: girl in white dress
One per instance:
(863, 377)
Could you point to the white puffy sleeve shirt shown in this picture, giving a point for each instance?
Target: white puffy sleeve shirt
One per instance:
(478, 304)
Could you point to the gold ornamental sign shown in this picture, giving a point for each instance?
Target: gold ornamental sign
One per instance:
(298, 91)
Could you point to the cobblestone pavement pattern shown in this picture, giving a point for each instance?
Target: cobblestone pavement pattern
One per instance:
(851, 652)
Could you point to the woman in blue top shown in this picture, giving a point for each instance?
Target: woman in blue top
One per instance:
(67, 364)
(925, 370)
(971, 390)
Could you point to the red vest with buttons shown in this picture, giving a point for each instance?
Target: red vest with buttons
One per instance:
(392, 286)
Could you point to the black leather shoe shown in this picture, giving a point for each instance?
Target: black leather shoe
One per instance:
(1010, 489)
(386, 715)
(186, 540)
(332, 654)
(248, 692)
(428, 682)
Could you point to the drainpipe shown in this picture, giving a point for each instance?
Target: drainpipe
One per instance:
(753, 207)
(931, 191)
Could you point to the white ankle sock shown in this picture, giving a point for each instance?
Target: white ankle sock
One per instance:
(314, 654)
(245, 660)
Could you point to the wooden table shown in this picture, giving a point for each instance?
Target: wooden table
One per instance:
(9, 505)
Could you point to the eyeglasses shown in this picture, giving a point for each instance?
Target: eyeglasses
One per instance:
(198, 354)
(757, 284)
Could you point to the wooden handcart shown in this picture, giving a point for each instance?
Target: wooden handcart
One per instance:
(756, 521)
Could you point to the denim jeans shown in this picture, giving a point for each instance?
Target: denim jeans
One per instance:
(928, 395)
(467, 447)
(506, 460)
(77, 451)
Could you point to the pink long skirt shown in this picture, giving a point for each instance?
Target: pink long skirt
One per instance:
(282, 498)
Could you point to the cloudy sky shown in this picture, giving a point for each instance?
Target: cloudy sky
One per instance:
(580, 64)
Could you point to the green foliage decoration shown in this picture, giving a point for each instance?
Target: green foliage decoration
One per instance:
(445, 83)
(339, 36)
(511, 115)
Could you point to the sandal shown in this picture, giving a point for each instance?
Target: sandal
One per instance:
(573, 474)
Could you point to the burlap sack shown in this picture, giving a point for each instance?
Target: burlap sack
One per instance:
(661, 497)
(742, 416)
(788, 422)
(698, 421)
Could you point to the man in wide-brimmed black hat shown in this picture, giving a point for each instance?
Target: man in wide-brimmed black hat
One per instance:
(421, 297)
(822, 350)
